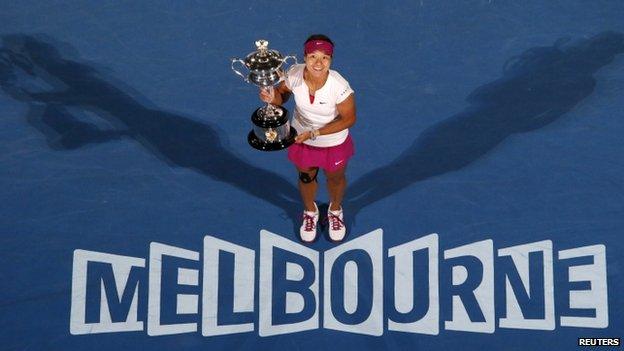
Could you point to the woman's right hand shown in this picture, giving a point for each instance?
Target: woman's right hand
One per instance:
(267, 94)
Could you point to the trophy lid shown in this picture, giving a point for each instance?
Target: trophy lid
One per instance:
(263, 58)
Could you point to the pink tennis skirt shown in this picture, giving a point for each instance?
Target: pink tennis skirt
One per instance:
(330, 158)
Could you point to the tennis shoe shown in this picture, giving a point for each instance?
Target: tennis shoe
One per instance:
(307, 232)
(337, 228)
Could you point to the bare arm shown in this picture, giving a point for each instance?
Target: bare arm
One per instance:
(345, 119)
(278, 96)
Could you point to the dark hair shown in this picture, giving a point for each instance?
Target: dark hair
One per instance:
(322, 37)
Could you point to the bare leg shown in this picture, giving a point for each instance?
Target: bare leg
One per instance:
(336, 185)
(308, 190)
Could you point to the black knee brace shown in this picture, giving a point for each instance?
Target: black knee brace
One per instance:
(305, 178)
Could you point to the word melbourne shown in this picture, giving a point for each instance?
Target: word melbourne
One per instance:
(413, 287)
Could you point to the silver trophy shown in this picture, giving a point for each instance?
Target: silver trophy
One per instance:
(271, 130)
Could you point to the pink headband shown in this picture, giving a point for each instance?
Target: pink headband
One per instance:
(321, 45)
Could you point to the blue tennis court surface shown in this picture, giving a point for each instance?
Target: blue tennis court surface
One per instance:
(485, 201)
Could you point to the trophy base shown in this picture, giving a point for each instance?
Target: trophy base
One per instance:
(261, 145)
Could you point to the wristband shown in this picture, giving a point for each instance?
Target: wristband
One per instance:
(314, 133)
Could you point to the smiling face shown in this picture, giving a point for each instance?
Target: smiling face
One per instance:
(317, 64)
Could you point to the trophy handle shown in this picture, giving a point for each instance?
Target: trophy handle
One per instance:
(234, 60)
(293, 57)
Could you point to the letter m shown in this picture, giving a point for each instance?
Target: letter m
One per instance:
(105, 290)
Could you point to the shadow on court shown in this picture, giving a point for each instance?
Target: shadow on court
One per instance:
(537, 87)
(28, 61)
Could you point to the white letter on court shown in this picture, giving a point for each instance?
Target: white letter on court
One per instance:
(484, 292)
(121, 267)
(404, 285)
(372, 244)
(596, 296)
(185, 304)
(294, 272)
(520, 257)
(244, 278)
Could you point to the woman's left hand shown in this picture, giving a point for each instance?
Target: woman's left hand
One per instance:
(302, 137)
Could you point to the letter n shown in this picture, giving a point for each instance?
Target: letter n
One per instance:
(529, 286)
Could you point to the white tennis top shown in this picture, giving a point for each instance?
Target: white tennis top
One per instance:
(315, 115)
